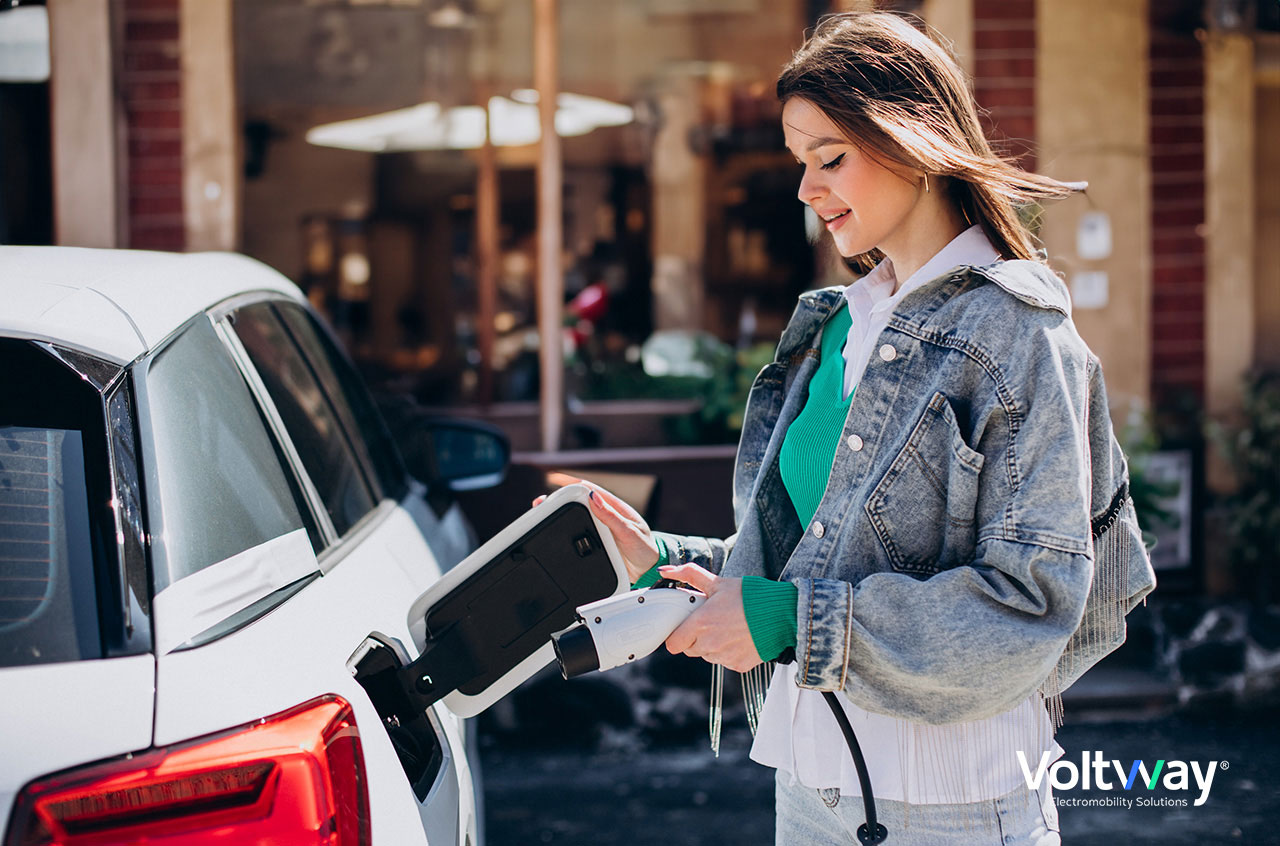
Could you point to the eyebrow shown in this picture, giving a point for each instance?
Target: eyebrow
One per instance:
(819, 142)
(823, 142)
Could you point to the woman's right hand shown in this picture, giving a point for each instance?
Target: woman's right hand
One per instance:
(630, 531)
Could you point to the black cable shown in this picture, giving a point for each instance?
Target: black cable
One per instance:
(871, 832)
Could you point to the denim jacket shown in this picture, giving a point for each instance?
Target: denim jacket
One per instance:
(956, 561)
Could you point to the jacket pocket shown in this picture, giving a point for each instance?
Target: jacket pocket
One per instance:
(924, 508)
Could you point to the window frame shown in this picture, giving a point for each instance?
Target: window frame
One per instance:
(275, 423)
(128, 499)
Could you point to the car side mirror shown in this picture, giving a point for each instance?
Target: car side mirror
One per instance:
(460, 455)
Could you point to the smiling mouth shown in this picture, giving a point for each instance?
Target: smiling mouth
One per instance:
(835, 218)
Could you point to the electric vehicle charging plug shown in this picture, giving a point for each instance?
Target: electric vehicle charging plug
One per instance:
(620, 629)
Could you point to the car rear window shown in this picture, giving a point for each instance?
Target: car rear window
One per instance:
(46, 560)
(52, 454)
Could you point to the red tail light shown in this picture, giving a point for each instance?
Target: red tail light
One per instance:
(297, 778)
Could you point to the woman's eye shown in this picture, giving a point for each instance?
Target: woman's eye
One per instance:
(834, 163)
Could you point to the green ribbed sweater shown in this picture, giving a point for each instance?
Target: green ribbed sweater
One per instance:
(808, 451)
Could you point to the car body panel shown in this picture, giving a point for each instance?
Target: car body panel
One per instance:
(92, 709)
(299, 650)
(449, 534)
(43, 311)
(118, 304)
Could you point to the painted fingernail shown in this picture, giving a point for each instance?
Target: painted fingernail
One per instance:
(593, 497)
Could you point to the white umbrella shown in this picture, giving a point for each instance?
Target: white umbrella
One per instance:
(513, 122)
(24, 44)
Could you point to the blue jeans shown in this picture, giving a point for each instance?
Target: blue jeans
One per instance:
(809, 817)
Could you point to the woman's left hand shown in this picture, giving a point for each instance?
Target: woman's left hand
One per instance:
(716, 632)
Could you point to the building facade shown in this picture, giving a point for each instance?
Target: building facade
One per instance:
(183, 124)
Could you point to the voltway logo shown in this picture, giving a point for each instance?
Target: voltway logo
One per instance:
(1095, 771)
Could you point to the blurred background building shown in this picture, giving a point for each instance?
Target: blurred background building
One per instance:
(344, 143)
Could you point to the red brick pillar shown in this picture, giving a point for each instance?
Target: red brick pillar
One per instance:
(1177, 209)
(151, 92)
(1004, 74)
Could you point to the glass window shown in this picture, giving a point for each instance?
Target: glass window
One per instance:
(47, 606)
(53, 541)
(215, 484)
(308, 414)
(352, 398)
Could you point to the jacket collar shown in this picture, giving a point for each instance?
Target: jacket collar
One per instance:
(813, 310)
(1032, 282)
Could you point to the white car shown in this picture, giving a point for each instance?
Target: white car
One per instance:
(202, 521)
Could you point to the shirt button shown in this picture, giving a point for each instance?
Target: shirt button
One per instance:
(855, 443)
(818, 529)
(888, 353)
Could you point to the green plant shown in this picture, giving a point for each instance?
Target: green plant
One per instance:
(724, 394)
(716, 374)
(1253, 449)
(1140, 442)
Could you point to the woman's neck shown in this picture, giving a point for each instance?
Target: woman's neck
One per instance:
(933, 223)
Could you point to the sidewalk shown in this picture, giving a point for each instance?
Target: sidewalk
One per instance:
(682, 796)
(1122, 692)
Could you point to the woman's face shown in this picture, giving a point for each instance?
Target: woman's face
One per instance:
(861, 202)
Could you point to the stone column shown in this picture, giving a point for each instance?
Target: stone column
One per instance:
(678, 180)
(1267, 293)
(1087, 47)
(1230, 208)
(210, 126)
(954, 19)
(86, 195)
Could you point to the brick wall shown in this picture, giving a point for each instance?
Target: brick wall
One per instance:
(1004, 72)
(1178, 207)
(151, 92)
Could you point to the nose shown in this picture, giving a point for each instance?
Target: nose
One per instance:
(811, 188)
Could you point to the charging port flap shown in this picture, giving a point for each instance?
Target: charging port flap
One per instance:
(414, 732)
(486, 626)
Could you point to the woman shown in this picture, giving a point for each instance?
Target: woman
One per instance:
(932, 510)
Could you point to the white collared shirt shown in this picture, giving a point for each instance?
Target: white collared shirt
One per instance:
(907, 762)
(872, 299)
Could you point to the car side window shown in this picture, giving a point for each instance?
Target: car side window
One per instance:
(215, 483)
(351, 398)
(309, 414)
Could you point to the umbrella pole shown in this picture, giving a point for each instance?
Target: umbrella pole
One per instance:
(550, 281)
(487, 216)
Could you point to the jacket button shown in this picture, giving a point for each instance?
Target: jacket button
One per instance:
(888, 353)
(855, 443)
(818, 529)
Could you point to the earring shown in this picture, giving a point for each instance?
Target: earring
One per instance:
(926, 183)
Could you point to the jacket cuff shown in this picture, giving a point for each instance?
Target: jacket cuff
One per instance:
(824, 617)
(707, 553)
(770, 608)
(651, 575)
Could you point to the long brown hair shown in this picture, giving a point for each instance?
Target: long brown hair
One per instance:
(902, 98)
